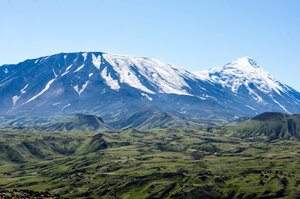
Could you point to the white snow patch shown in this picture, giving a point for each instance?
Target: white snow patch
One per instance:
(44, 59)
(15, 99)
(69, 67)
(56, 103)
(65, 106)
(165, 78)
(5, 70)
(43, 91)
(54, 73)
(281, 106)
(147, 96)
(84, 55)
(96, 61)
(23, 89)
(202, 98)
(251, 107)
(64, 73)
(79, 68)
(76, 88)
(112, 83)
(90, 75)
(36, 61)
(65, 56)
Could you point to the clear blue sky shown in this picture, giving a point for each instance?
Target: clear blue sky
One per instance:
(193, 34)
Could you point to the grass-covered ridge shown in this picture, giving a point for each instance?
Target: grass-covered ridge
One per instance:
(270, 125)
(157, 163)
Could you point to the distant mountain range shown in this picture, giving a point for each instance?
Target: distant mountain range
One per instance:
(269, 125)
(119, 88)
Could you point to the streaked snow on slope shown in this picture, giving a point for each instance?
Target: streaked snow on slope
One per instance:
(147, 96)
(243, 72)
(79, 91)
(69, 67)
(112, 83)
(96, 61)
(66, 106)
(64, 73)
(15, 99)
(84, 55)
(165, 77)
(43, 91)
(79, 68)
(23, 89)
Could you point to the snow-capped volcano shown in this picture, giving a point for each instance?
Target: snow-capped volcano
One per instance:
(246, 78)
(243, 72)
(114, 86)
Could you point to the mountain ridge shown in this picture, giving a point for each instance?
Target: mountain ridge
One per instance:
(52, 87)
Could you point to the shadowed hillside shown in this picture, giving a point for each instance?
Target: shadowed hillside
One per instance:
(271, 125)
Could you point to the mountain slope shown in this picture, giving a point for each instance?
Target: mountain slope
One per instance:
(114, 87)
(271, 125)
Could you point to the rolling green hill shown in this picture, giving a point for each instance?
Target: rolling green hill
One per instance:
(270, 125)
(150, 119)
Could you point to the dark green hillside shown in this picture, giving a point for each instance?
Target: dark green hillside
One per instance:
(152, 119)
(270, 125)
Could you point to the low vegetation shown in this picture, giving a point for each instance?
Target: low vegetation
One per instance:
(156, 163)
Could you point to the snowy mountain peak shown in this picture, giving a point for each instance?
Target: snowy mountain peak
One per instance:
(244, 75)
(243, 63)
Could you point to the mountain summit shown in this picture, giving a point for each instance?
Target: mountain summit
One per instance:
(247, 79)
(116, 86)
